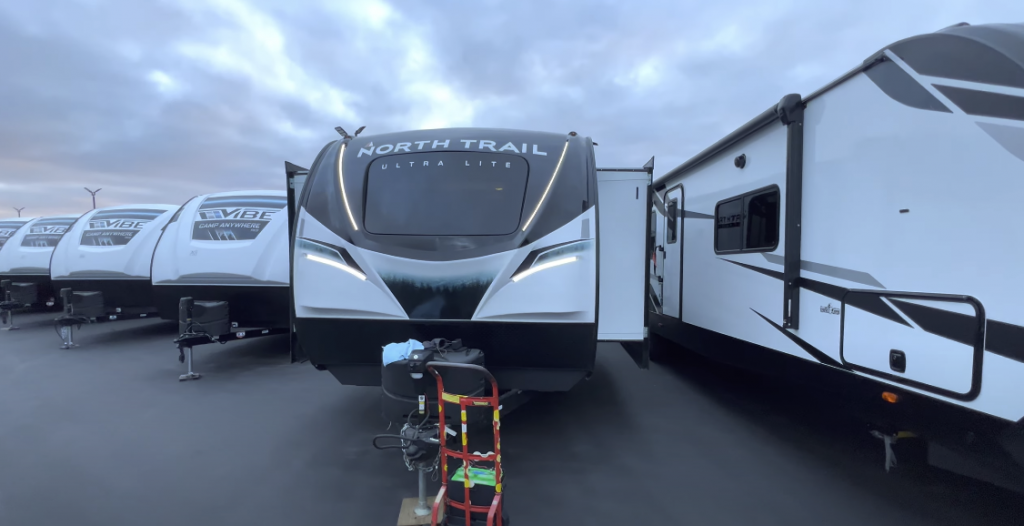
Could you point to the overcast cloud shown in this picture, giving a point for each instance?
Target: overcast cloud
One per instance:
(158, 101)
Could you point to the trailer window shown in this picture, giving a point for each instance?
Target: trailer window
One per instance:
(729, 226)
(762, 221)
(748, 223)
(47, 232)
(8, 229)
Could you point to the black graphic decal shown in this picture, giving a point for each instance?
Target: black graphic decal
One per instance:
(454, 300)
(818, 354)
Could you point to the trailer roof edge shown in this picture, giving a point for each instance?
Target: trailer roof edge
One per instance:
(765, 118)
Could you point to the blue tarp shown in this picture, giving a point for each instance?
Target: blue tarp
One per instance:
(394, 352)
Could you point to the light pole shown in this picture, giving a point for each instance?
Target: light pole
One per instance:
(93, 196)
(19, 210)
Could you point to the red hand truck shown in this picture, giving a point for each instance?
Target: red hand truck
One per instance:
(494, 511)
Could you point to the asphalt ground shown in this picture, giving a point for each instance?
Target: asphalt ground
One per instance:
(106, 435)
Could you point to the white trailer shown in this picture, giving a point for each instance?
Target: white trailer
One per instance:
(227, 246)
(221, 269)
(25, 257)
(863, 237)
(110, 251)
(9, 226)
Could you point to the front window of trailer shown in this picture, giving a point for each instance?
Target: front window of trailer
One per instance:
(8, 229)
(445, 194)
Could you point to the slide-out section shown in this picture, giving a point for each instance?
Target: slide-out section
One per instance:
(624, 206)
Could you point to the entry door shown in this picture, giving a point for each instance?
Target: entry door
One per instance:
(673, 243)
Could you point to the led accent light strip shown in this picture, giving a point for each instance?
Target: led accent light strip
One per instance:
(337, 265)
(551, 182)
(341, 182)
(543, 266)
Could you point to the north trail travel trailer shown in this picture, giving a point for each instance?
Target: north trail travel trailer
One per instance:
(110, 251)
(227, 247)
(862, 236)
(25, 257)
(513, 241)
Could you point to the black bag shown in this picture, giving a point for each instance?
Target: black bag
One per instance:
(23, 293)
(87, 304)
(209, 317)
(400, 396)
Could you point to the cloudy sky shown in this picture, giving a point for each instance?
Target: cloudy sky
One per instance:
(160, 100)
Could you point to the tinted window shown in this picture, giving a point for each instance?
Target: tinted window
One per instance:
(235, 217)
(445, 194)
(748, 223)
(762, 219)
(108, 228)
(46, 232)
(729, 233)
(7, 229)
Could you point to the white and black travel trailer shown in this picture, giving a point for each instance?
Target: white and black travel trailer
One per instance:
(223, 258)
(8, 300)
(862, 237)
(227, 246)
(25, 257)
(9, 226)
(110, 251)
(512, 241)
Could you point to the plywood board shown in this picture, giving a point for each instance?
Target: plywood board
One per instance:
(407, 516)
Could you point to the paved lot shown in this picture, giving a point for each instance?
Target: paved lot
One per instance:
(105, 435)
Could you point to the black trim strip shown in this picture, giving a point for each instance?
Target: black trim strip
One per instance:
(985, 103)
(960, 328)
(869, 303)
(818, 354)
(696, 215)
(767, 272)
(844, 274)
(1005, 339)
